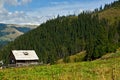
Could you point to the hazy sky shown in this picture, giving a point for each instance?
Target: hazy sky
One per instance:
(38, 11)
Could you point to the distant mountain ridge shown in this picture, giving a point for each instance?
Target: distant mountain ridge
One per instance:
(9, 32)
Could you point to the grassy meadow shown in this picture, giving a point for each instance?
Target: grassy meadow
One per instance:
(106, 68)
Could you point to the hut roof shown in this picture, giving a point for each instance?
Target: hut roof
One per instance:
(25, 55)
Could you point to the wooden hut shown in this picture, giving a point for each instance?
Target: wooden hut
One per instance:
(23, 57)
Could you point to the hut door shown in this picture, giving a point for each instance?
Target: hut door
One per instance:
(12, 61)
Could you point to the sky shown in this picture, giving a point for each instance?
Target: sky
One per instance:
(38, 11)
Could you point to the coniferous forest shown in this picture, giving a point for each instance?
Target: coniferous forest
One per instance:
(68, 35)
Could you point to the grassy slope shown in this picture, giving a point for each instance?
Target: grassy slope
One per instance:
(74, 58)
(112, 14)
(102, 69)
(12, 34)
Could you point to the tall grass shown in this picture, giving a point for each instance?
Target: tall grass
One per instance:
(106, 68)
(96, 70)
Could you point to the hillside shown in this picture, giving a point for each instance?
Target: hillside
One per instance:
(78, 57)
(114, 15)
(9, 32)
(105, 69)
(67, 35)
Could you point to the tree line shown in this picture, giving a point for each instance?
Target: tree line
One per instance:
(68, 35)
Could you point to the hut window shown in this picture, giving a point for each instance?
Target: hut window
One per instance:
(25, 53)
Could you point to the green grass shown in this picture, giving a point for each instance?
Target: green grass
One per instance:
(78, 57)
(111, 55)
(106, 69)
(112, 15)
